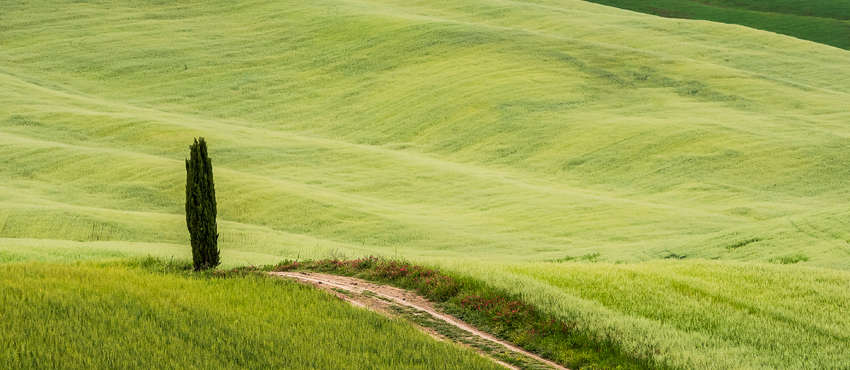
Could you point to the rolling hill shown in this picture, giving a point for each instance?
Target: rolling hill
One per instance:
(529, 131)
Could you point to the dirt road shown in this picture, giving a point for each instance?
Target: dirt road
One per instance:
(379, 297)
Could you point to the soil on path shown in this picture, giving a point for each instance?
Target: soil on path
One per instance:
(381, 298)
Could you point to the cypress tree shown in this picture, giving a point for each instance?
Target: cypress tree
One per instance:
(200, 207)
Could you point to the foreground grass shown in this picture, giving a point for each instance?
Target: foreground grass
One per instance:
(692, 314)
(497, 312)
(654, 315)
(823, 21)
(85, 316)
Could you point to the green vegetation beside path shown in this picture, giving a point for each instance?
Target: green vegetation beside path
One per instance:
(692, 314)
(497, 312)
(657, 315)
(90, 316)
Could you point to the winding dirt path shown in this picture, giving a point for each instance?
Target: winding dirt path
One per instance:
(400, 297)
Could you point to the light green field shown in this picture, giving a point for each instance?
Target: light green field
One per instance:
(501, 131)
(693, 314)
(109, 317)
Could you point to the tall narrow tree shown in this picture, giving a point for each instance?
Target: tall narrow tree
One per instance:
(200, 207)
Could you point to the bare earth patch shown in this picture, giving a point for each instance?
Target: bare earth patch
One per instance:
(394, 301)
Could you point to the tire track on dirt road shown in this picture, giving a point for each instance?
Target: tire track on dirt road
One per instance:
(404, 298)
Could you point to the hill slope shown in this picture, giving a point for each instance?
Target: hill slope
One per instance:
(823, 21)
(494, 129)
(88, 316)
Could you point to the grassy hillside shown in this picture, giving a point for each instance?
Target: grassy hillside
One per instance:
(135, 319)
(823, 21)
(500, 130)
(676, 314)
(693, 314)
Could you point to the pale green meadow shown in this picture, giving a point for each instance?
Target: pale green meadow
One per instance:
(693, 314)
(86, 316)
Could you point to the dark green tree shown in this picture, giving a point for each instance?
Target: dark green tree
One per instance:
(200, 207)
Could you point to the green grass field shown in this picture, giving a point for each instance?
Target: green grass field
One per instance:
(823, 21)
(501, 133)
(87, 316)
(522, 133)
(693, 314)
